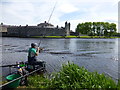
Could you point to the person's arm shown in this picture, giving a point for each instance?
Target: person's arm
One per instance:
(37, 52)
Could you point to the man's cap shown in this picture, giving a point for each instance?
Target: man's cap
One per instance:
(34, 44)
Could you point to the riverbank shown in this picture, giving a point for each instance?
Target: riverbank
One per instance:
(89, 37)
(71, 76)
(67, 37)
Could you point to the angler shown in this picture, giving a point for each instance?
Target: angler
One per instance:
(33, 53)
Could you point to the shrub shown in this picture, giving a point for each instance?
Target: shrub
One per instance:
(71, 76)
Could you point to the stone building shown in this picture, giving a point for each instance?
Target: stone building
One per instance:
(42, 29)
(3, 29)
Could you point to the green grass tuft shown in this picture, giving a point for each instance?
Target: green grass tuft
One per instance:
(71, 76)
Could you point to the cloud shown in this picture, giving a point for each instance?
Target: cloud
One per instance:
(67, 8)
(15, 12)
(32, 12)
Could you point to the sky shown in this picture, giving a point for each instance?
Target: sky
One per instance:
(33, 12)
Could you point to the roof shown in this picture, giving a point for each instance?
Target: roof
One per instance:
(45, 24)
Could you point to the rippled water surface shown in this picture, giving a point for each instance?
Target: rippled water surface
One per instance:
(94, 54)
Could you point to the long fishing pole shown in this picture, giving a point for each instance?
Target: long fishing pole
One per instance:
(1, 86)
(48, 21)
(52, 12)
(39, 43)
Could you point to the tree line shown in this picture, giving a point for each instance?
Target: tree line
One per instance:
(96, 28)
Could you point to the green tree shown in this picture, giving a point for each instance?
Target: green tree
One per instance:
(102, 28)
(106, 28)
(96, 28)
(89, 28)
(98, 25)
(112, 29)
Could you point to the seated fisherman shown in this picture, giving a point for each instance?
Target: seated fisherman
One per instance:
(32, 53)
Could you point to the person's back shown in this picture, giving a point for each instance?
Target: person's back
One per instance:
(32, 53)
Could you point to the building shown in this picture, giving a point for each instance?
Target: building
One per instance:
(42, 29)
(3, 29)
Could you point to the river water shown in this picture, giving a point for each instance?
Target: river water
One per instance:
(99, 55)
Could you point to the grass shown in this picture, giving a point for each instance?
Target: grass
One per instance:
(47, 36)
(118, 84)
(37, 81)
(95, 37)
(72, 76)
(72, 37)
(54, 36)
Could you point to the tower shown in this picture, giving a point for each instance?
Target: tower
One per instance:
(67, 28)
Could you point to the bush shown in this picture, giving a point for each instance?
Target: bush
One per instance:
(72, 76)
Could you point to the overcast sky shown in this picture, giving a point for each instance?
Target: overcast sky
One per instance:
(33, 12)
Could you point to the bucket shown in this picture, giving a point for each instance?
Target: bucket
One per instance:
(15, 83)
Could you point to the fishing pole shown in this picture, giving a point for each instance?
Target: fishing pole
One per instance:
(9, 65)
(1, 86)
(48, 21)
(52, 12)
(39, 43)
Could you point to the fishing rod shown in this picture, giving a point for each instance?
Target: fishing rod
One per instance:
(39, 43)
(1, 86)
(52, 12)
(48, 21)
(17, 63)
(9, 65)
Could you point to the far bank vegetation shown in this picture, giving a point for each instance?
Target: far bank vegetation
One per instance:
(97, 29)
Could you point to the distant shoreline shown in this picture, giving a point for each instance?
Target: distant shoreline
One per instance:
(68, 37)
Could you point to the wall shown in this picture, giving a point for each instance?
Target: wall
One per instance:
(35, 31)
(13, 31)
(28, 31)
